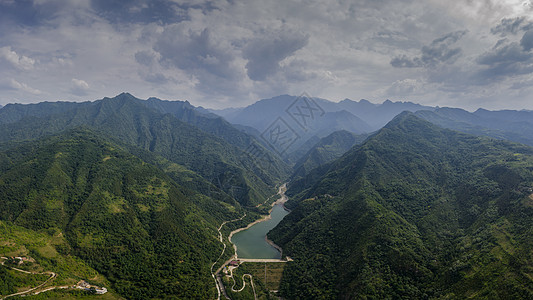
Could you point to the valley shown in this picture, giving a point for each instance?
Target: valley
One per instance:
(159, 199)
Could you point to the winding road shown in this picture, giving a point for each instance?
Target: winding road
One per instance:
(218, 281)
(243, 284)
(218, 284)
(52, 276)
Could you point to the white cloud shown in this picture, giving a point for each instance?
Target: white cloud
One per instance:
(12, 84)
(79, 87)
(18, 61)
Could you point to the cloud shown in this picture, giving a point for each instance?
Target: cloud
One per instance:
(79, 87)
(226, 52)
(405, 87)
(206, 59)
(527, 40)
(511, 26)
(18, 61)
(147, 58)
(142, 11)
(439, 51)
(194, 51)
(507, 59)
(265, 54)
(12, 84)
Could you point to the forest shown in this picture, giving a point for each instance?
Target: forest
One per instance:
(132, 192)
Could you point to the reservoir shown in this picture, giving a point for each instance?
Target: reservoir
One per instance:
(251, 242)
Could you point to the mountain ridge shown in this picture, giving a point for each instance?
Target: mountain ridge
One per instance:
(393, 213)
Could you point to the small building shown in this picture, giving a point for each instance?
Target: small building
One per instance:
(234, 263)
(84, 285)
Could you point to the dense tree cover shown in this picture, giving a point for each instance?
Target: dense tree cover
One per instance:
(326, 150)
(129, 220)
(415, 212)
(7, 282)
(240, 173)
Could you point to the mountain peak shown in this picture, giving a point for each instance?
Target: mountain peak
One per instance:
(408, 121)
(125, 95)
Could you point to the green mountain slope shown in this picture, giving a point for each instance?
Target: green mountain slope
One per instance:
(217, 126)
(239, 173)
(12, 113)
(327, 149)
(127, 219)
(415, 212)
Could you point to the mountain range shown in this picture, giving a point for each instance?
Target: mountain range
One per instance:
(324, 116)
(414, 212)
(393, 200)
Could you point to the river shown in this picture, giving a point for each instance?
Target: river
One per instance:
(251, 242)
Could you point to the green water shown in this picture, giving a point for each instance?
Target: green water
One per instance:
(251, 242)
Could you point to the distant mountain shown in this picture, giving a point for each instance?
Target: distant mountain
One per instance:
(130, 121)
(227, 113)
(506, 115)
(326, 150)
(377, 115)
(326, 118)
(374, 116)
(510, 125)
(414, 212)
(356, 117)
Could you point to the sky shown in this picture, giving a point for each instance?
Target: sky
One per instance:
(231, 53)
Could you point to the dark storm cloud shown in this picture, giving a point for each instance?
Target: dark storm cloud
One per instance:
(511, 26)
(439, 51)
(265, 54)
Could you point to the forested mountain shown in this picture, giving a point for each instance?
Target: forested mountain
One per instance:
(15, 112)
(135, 191)
(136, 188)
(415, 212)
(327, 149)
(249, 179)
(505, 124)
(208, 122)
(127, 219)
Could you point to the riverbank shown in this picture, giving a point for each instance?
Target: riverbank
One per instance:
(281, 201)
(271, 243)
